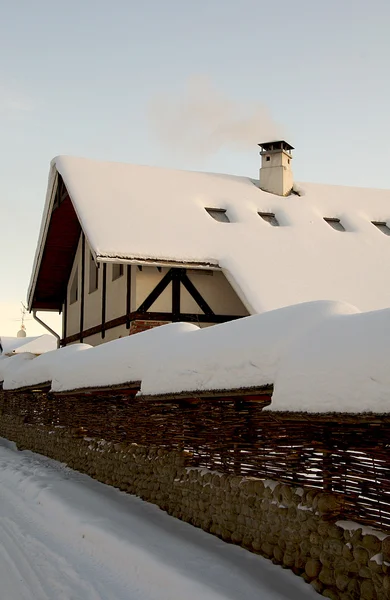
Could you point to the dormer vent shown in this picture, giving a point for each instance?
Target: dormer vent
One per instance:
(269, 217)
(382, 226)
(219, 214)
(335, 223)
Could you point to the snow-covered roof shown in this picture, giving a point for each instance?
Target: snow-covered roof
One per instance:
(35, 345)
(139, 213)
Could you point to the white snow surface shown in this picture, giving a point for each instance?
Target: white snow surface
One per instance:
(121, 361)
(340, 363)
(237, 354)
(319, 356)
(36, 345)
(134, 212)
(40, 345)
(11, 364)
(67, 537)
(29, 373)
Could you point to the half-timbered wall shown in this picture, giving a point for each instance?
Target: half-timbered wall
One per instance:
(212, 285)
(128, 291)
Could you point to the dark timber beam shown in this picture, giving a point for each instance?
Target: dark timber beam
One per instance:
(65, 315)
(128, 295)
(191, 289)
(158, 290)
(104, 299)
(176, 278)
(151, 316)
(82, 299)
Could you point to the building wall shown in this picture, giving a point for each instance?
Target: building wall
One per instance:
(216, 290)
(212, 285)
(92, 300)
(73, 310)
(145, 281)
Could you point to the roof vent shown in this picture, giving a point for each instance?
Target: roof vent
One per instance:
(269, 217)
(219, 214)
(382, 226)
(335, 223)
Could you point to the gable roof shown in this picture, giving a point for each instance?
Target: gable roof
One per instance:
(138, 213)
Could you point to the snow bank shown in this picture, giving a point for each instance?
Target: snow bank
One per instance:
(239, 354)
(39, 370)
(10, 365)
(340, 364)
(320, 357)
(35, 345)
(121, 361)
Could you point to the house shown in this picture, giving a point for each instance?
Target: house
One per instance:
(123, 248)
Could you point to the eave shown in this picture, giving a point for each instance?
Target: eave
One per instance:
(57, 254)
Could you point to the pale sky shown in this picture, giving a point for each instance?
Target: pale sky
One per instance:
(97, 79)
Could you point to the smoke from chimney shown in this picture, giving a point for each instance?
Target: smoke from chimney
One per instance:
(203, 120)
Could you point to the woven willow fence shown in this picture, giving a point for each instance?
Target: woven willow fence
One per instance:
(347, 455)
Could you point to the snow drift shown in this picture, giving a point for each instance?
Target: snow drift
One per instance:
(319, 356)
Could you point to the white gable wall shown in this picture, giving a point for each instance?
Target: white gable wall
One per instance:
(214, 288)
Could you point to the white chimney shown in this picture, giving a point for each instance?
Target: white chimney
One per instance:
(276, 174)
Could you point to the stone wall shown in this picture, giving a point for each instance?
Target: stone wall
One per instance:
(291, 526)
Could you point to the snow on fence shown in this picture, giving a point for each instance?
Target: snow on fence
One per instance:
(320, 357)
(348, 455)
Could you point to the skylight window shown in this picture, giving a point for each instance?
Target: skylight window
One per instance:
(219, 214)
(269, 217)
(335, 223)
(382, 226)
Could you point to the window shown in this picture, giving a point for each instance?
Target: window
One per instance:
(93, 275)
(269, 217)
(267, 158)
(219, 214)
(117, 271)
(74, 288)
(382, 226)
(335, 223)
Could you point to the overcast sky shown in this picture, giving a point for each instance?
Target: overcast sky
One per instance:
(146, 82)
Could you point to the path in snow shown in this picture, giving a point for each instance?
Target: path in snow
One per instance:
(64, 536)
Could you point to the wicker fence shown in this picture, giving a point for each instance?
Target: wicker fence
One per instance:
(349, 455)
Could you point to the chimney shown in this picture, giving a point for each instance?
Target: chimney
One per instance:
(276, 175)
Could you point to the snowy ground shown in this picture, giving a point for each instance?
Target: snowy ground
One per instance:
(64, 536)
